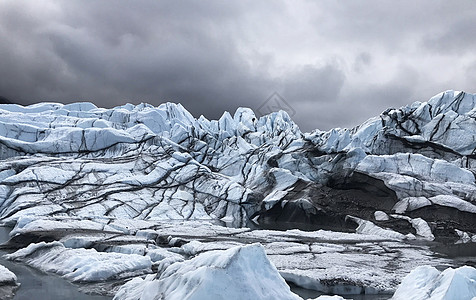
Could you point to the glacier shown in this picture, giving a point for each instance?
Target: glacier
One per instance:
(154, 185)
(157, 163)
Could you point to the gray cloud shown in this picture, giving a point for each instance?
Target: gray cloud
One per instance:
(314, 83)
(458, 38)
(362, 61)
(357, 104)
(388, 24)
(336, 63)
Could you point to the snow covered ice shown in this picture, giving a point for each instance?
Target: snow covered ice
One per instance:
(159, 163)
(82, 265)
(131, 191)
(8, 283)
(326, 261)
(6, 276)
(426, 282)
(241, 272)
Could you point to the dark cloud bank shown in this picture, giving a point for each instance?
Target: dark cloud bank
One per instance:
(335, 63)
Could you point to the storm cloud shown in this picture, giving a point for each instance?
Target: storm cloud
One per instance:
(336, 63)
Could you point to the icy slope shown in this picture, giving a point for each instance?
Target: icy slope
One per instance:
(441, 127)
(158, 163)
(167, 163)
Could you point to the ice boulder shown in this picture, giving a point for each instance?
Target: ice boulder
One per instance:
(325, 297)
(8, 283)
(242, 272)
(427, 283)
(7, 277)
(82, 265)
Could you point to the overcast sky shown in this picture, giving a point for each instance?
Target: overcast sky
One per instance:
(335, 63)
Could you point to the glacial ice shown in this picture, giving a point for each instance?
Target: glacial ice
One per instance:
(328, 298)
(8, 283)
(7, 277)
(427, 283)
(367, 227)
(380, 216)
(82, 265)
(326, 261)
(241, 272)
(160, 163)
